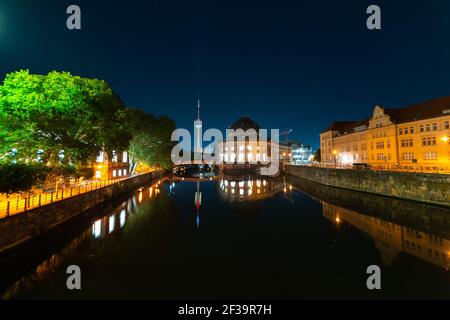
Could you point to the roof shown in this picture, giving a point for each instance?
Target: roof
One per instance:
(346, 126)
(245, 123)
(425, 110)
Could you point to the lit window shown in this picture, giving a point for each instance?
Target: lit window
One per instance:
(114, 156)
(100, 156)
(125, 156)
(120, 173)
(124, 172)
(114, 173)
(98, 174)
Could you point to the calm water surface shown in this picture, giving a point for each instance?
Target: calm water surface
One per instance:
(246, 237)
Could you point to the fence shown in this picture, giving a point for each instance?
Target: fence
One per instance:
(23, 203)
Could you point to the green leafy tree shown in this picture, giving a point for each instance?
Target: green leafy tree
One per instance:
(317, 155)
(57, 112)
(21, 177)
(151, 138)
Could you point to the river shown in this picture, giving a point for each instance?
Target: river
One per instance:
(239, 237)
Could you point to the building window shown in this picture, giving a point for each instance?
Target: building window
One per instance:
(408, 156)
(120, 173)
(421, 128)
(406, 130)
(428, 128)
(124, 172)
(389, 144)
(411, 130)
(100, 156)
(407, 143)
(114, 173)
(435, 127)
(430, 155)
(114, 156)
(446, 125)
(125, 156)
(400, 131)
(98, 174)
(429, 141)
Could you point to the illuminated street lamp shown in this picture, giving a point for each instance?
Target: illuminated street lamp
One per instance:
(445, 139)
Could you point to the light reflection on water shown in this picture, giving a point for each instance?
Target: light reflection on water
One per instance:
(264, 197)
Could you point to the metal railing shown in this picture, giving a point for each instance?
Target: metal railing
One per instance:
(23, 203)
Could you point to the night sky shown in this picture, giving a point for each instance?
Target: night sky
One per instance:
(299, 64)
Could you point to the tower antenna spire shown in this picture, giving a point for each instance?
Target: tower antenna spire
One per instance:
(198, 109)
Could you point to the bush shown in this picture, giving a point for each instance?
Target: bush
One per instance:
(21, 177)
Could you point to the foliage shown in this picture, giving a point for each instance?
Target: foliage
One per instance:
(20, 177)
(317, 155)
(151, 138)
(58, 112)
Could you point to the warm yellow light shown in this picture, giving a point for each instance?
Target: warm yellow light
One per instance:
(338, 219)
(335, 152)
(290, 187)
(285, 190)
(284, 154)
(99, 166)
(445, 138)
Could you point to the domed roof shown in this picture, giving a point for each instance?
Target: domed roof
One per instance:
(245, 123)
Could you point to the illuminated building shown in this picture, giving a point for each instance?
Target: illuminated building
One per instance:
(414, 138)
(114, 167)
(246, 149)
(300, 153)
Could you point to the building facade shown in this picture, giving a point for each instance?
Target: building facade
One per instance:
(414, 138)
(300, 154)
(115, 167)
(242, 148)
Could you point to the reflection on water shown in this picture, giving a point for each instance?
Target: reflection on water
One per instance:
(391, 239)
(241, 189)
(153, 227)
(101, 229)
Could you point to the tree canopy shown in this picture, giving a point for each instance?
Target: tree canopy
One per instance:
(57, 123)
(57, 112)
(151, 138)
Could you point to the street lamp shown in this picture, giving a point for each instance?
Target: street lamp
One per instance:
(445, 139)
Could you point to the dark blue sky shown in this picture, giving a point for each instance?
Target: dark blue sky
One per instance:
(299, 64)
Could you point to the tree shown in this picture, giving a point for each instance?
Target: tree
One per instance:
(20, 177)
(317, 155)
(57, 112)
(151, 138)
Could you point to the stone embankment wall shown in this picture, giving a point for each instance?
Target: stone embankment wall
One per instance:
(429, 188)
(22, 227)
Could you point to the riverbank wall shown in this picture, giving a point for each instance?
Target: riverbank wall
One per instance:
(22, 227)
(427, 188)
